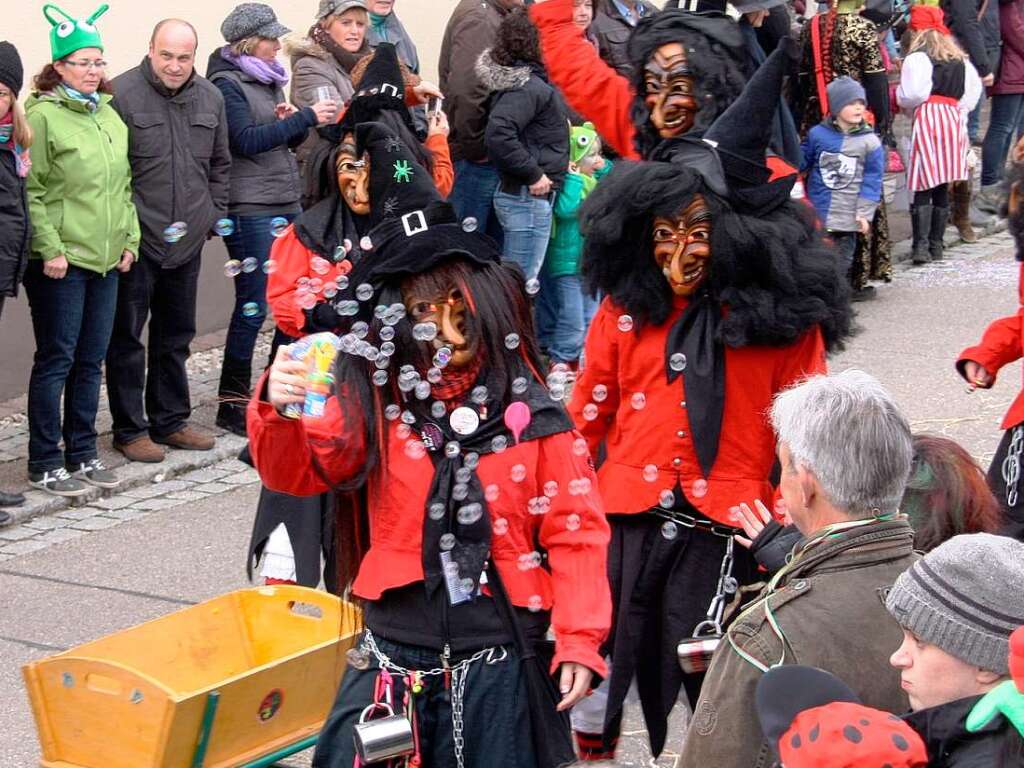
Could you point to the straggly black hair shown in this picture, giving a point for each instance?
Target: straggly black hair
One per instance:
(1013, 206)
(775, 272)
(715, 53)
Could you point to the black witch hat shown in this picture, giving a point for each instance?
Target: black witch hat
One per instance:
(382, 88)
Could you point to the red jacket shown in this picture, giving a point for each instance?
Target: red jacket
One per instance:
(574, 530)
(627, 363)
(1001, 344)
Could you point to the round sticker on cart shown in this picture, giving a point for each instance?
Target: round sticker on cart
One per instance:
(464, 420)
(271, 704)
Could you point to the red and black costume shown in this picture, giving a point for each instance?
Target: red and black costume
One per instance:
(452, 502)
(677, 387)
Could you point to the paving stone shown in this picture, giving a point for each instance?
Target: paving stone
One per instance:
(81, 513)
(242, 478)
(114, 502)
(145, 492)
(213, 488)
(95, 524)
(155, 504)
(22, 547)
(186, 496)
(173, 486)
(18, 533)
(131, 513)
(60, 535)
(48, 523)
(206, 475)
(4, 558)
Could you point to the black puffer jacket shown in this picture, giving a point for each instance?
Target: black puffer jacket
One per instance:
(527, 132)
(15, 230)
(949, 744)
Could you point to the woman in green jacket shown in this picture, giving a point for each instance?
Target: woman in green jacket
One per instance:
(85, 232)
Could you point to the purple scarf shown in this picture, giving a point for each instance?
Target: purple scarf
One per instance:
(266, 72)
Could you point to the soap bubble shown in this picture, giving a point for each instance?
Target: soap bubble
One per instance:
(408, 417)
(442, 357)
(667, 499)
(278, 225)
(518, 473)
(492, 492)
(535, 603)
(340, 253)
(330, 290)
(269, 267)
(251, 309)
(422, 390)
(579, 446)
(436, 511)
(392, 412)
(651, 473)
(224, 227)
(551, 488)
(467, 585)
(448, 542)
(437, 409)
(512, 341)
(471, 460)
(532, 286)
(539, 505)
(520, 385)
(572, 522)
(394, 314)
(175, 232)
(366, 243)
(469, 224)
(589, 411)
(463, 475)
(500, 526)
(677, 362)
(556, 393)
(320, 265)
(415, 449)
(360, 329)
(470, 513)
(638, 401)
(364, 292)
(599, 393)
(700, 488)
(424, 331)
(387, 334)
(669, 530)
(342, 282)
(305, 300)
(479, 395)
(625, 323)
(451, 450)
(499, 444)
(434, 375)
(347, 308)
(232, 268)
(380, 378)
(316, 285)
(403, 431)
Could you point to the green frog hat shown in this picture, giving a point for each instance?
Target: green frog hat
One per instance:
(68, 35)
(583, 140)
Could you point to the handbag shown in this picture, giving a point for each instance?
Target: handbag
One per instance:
(550, 730)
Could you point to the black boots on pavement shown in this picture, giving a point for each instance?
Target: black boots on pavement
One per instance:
(233, 394)
(929, 226)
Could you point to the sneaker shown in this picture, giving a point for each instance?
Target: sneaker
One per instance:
(143, 450)
(58, 482)
(189, 439)
(96, 474)
(989, 199)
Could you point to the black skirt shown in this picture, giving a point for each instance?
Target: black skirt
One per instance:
(661, 589)
(309, 521)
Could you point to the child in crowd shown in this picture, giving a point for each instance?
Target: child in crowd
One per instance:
(564, 309)
(941, 86)
(845, 163)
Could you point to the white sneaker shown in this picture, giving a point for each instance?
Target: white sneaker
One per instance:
(96, 474)
(57, 482)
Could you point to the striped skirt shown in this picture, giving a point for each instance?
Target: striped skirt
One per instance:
(939, 145)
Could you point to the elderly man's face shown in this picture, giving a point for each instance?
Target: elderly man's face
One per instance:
(931, 677)
(793, 488)
(669, 91)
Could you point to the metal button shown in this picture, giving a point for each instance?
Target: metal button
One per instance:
(681, 433)
(676, 461)
(682, 404)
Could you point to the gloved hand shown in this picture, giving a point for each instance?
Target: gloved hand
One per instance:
(1003, 700)
(322, 317)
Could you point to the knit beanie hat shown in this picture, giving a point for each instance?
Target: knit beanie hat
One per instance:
(68, 35)
(965, 597)
(12, 74)
(843, 91)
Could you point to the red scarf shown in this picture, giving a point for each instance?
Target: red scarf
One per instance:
(456, 383)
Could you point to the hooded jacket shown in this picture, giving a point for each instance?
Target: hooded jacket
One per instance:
(80, 185)
(527, 133)
(829, 609)
(181, 163)
(14, 224)
(944, 732)
(844, 174)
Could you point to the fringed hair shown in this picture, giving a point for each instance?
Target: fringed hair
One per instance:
(775, 273)
(496, 305)
(719, 74)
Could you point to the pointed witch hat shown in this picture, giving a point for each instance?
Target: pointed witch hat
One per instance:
(382, 87)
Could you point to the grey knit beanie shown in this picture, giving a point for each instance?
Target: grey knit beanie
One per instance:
(966, 597)
(252, 20)
(842, 91)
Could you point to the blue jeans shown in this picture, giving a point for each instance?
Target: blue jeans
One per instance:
(252, 238)
(846, 246)
(472, 194)
(1007, 113)
(72, 319)
(526, 220)
(564, 313)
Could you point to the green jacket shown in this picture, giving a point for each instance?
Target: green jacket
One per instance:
(79, 188)
(566, 247)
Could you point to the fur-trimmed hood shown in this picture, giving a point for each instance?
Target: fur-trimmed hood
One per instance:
(297, 47)
(497, 77)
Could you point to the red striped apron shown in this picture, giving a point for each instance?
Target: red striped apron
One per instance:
(939, 145)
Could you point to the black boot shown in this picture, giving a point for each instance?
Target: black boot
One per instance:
(921, 221)
(233, 393)
(940, 218)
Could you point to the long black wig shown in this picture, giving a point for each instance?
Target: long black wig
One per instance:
(775, 272)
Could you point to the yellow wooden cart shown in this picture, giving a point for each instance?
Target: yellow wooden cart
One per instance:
(242, 680)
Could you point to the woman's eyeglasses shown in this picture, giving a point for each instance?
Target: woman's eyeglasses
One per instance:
(87, 65)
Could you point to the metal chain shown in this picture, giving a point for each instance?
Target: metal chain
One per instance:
(459, 675)
(727, 586)
(385, 662)
(689, 521)
(1011, 465)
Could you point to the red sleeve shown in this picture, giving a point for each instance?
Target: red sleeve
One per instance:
(292, 259)
(575, 534)
(588, 84)
(303, 457)
(999, 346)
(602, 363)
(806, 357)
(444, 171)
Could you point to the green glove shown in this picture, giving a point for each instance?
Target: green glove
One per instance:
(1003, 700)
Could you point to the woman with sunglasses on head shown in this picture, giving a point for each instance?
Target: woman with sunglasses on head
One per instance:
(85, 232)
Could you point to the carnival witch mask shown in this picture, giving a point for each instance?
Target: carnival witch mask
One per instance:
(437, 308)
(353, 177)
(682, 246)
(669, 91)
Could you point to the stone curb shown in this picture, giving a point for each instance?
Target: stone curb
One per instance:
(132, 475)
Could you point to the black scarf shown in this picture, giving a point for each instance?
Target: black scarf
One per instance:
(472, 536)
(695, 335)
(328, 224)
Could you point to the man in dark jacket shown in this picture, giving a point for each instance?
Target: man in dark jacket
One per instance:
(613, 23)
(471, 30)
(958, 607)
(180, 162)
(845, 453)
(963, 17)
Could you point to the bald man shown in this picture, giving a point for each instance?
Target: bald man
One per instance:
(180, 161)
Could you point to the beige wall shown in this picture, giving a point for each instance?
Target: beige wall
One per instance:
(126, 26)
